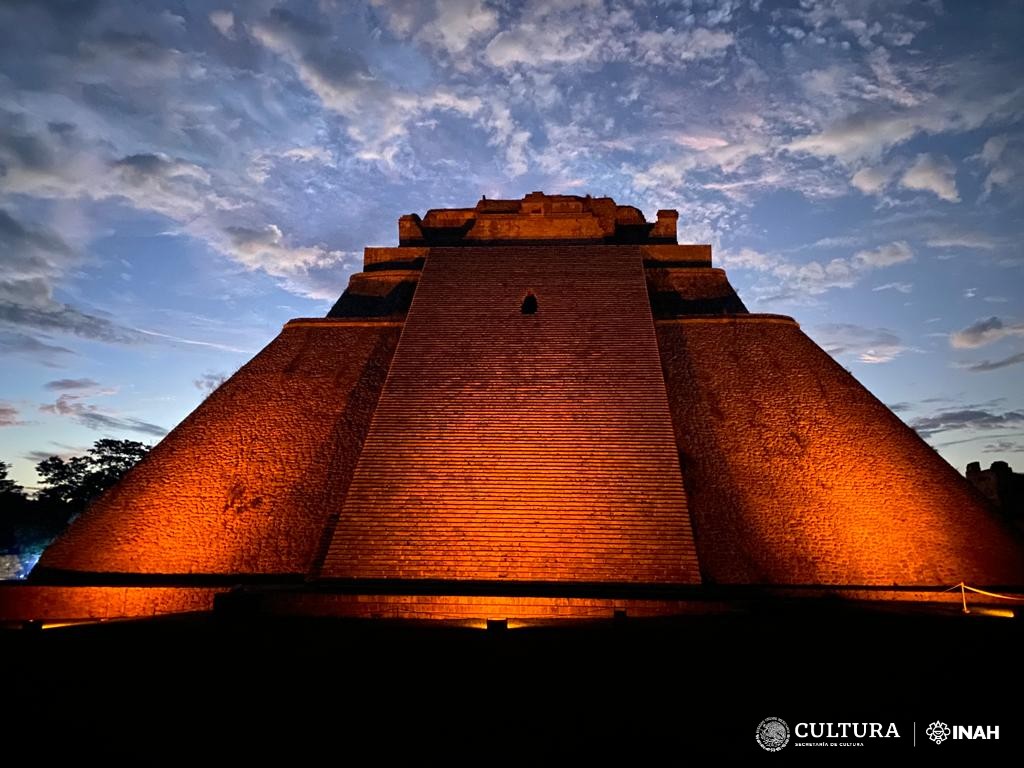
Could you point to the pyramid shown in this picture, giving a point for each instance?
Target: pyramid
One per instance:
(536, 407)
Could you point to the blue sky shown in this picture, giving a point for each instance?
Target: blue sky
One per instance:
(179, 179)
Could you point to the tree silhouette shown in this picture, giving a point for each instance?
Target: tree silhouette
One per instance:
(9, 489)
(69, 485)
(12, 509)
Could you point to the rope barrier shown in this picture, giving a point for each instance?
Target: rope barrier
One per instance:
(964, 590)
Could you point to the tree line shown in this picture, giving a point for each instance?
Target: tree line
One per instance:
(28, 522)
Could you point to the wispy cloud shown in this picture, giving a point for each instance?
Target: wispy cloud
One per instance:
(9, 415)
(378, 111)
(969, 240)
(64, 385)
(992, 365)
(873, 180)
(898, 287)
(985, 332)
(1004, 156)
(1004, 447)
(19, 343)
(193, 342)
(868, 345)
(812, 278)
(968, 418)
(932, 173)
(91, 416)
(31, 260)
(37, 456)
(209, 381)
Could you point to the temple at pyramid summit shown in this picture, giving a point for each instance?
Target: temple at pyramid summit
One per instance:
(529, 409)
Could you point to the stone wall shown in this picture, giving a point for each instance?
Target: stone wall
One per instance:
(247, 483)
(521, 446)
(796, 474)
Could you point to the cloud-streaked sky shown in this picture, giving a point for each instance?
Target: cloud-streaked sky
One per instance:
(178, 179)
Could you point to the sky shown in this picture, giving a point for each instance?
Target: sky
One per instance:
(179, 179)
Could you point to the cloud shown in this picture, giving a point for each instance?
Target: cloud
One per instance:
(458, 22)
(366, 113)
(967, 418)
(403, 16)
(864, 134)
(67, 164)
(138, 47)
(24, 344)
(869, 345)
(8, 415)
(899, 287)
(884, 256)
(932, 173)
(312, 271)
(38, 456)
(56, 317)
(987, 365)
(545, 39)
(156, 182)
(307, 154)
(974, 240)
(670, 46)
(31, 260)
(872, 181)
(208, 382)
(701, 143)
(89, 415)
(63, 385)
(889, 83)
(585, 34)
(193, 342)
(747, 258)
(172, 149)
(727, 157)
(101, 421)
(26, 245)
(984, 332)
(378, 112)
(264, 247)
(881, 113)
(1004, 156)
(179, 190)
(37, 160)
(812, 278)
(1003, 446)
(224, 22)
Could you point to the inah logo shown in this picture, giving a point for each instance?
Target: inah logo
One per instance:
(772, 734)
(938, 731)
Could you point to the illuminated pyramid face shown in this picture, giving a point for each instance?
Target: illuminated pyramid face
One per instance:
(547, 390)
(531, 445)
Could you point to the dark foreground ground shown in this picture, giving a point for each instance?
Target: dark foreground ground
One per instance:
(632, 691)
